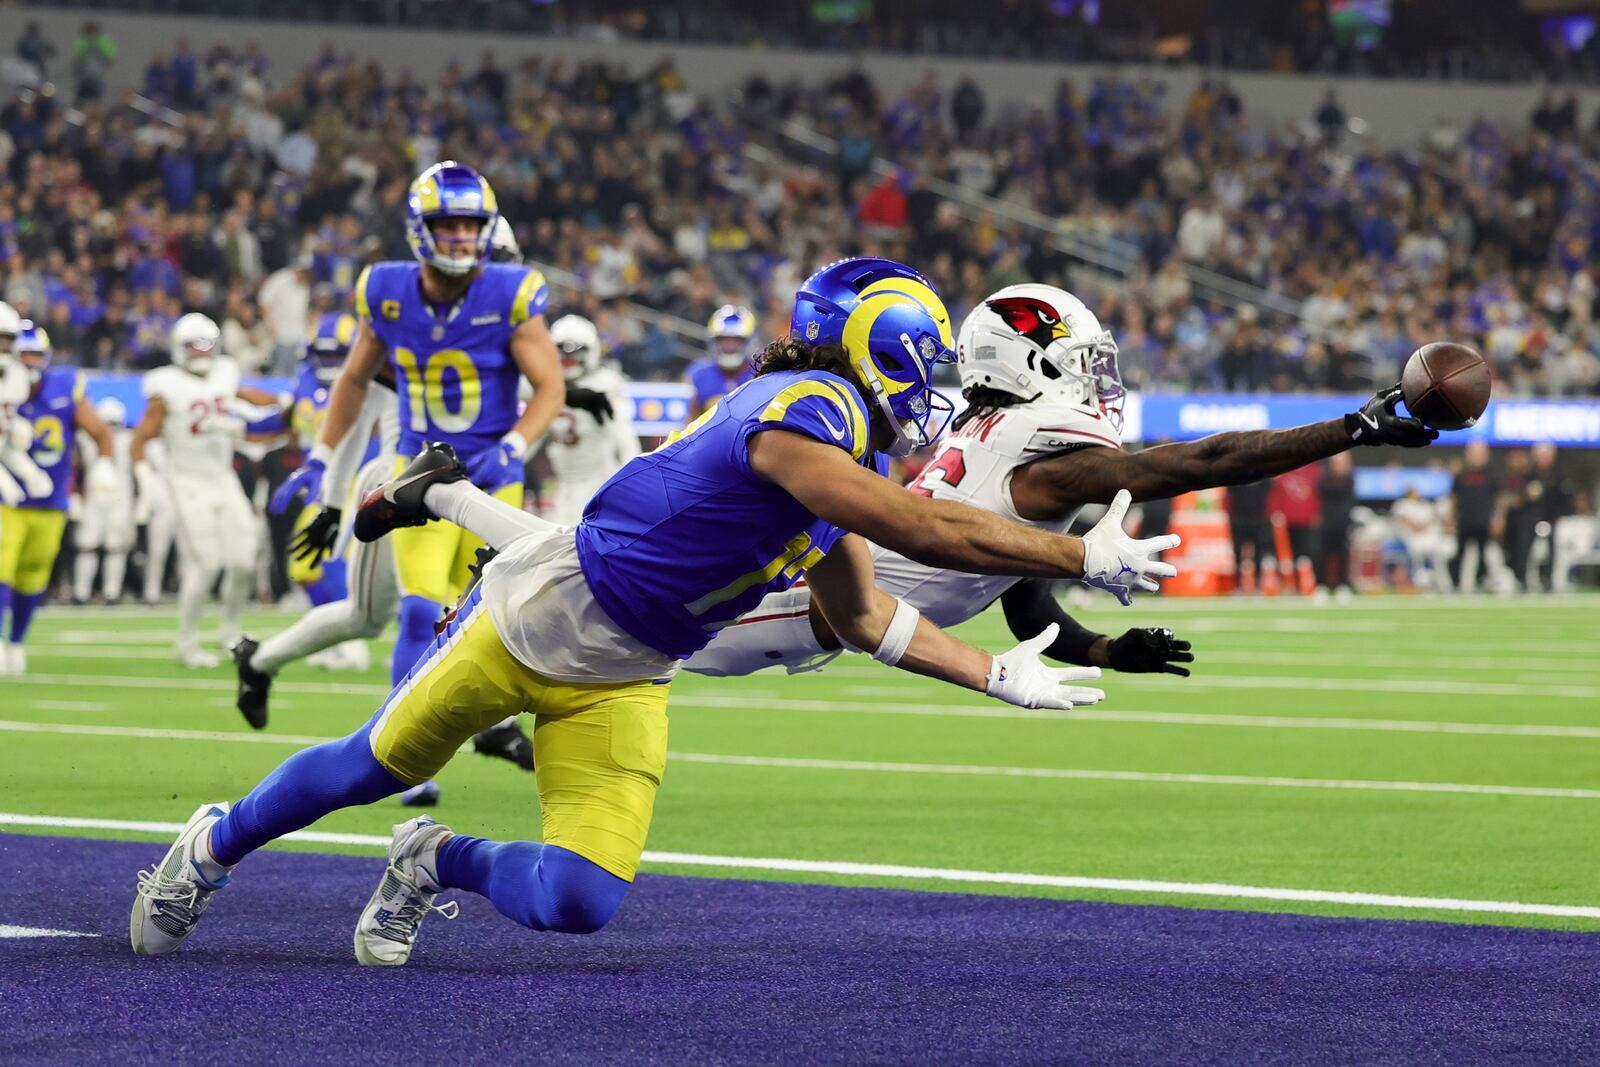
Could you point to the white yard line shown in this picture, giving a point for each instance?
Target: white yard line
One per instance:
(883, 767)
(1138, 886)
(8, 932)
(755, 702)
(1299, 683)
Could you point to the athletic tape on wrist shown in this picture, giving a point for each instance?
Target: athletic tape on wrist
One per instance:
(898, 635)
(321, 453)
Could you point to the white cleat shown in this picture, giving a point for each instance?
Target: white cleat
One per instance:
(196, 658)
(19, 660)
(388, 926)
(174, 892)
(9, 665)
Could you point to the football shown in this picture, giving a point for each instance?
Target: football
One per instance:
(1446, 385)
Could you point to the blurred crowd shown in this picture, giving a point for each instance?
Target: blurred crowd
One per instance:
(256, 195)
(1482, 40)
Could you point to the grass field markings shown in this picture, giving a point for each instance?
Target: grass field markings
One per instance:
(1135, 886)
(71, 705)
(1303, 682)
(202, 684)
(755, 702)
(1304, 659)
(1134, 717)
(1154, 777)
(886, 767)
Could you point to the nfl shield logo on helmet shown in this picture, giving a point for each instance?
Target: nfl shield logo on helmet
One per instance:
(812, 329)
(928, 348)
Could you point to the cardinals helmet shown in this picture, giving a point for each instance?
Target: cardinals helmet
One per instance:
(1036, 341)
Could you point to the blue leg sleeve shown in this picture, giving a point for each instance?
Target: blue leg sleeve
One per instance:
(304, 788)
(23, 605)
(5, 601)
(544, 887)
(417, 616)
(331, 586)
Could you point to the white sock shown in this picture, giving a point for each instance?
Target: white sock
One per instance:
(193, 585)
(235, 588)
(83, 570)
(470, 508)
(116, 570)
(321, 627)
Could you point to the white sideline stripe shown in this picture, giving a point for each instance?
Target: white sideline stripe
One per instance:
(882, 767)
(936, 874)
(7, 931)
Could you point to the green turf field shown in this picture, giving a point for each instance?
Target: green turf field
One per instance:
(1422, 748)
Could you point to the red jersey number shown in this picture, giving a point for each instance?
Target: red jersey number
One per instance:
(950, 466)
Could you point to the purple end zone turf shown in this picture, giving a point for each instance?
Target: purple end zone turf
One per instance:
(714, 970)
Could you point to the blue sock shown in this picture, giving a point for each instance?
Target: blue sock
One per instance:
(5, 601)
(304, 788)
(23, 605)
(417, 616)
(330, 586)
(544, 887)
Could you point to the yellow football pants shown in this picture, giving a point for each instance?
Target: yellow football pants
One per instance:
(30, 540)
(600, 749)
(432, 560)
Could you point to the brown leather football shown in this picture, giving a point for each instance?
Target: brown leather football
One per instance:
(1446, 385)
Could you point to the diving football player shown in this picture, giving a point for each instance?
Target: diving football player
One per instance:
(586, 627)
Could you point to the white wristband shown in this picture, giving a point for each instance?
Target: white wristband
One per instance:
(518, 443)
(897, 637)
(321, 453)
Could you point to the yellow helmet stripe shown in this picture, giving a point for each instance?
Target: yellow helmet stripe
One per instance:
(858, 332)
(923, 295)
(427, 190)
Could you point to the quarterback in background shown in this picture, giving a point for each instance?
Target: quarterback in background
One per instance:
(727, 366)
(31, 533)
(192, 406)
(459, 331)
(584, 447)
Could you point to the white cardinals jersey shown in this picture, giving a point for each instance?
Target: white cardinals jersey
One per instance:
(972, 466)
(583, 452)
(200, 428)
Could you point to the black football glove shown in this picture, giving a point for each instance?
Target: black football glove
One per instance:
(1377, 423)
(593, 401)
(1150, 651)
(316, 541)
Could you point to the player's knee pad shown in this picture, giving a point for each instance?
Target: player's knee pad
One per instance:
(571, 895)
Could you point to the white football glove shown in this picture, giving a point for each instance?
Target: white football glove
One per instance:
(1020, 677)
(1119, 564)
(11, 493)
(19, 435)
(33, 479)
(103, 482)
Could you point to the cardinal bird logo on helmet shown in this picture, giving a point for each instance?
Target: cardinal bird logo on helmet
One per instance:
(1032, 318)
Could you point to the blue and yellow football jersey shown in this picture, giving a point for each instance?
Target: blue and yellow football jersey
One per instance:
(709, 382)
(684, 540)
(52, 409)
(310, 406)
(453, 369)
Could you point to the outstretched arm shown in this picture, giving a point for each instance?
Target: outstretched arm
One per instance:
(945, 534)
(1030, 606)
(892, 632)
(1063, 483)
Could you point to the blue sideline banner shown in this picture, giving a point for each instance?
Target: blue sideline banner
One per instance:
(661, 407)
